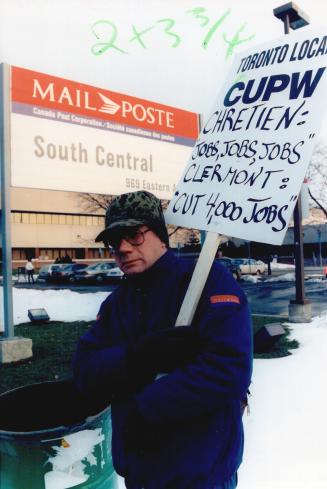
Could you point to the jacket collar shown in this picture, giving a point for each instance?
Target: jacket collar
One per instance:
(153, 273)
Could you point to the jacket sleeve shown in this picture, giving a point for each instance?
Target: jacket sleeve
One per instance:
(221, 372)
(100, 367)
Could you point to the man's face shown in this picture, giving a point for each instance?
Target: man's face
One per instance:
(136, 258)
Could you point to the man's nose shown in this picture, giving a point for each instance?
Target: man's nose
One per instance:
(124, 246)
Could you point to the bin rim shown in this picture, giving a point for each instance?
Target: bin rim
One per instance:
(56, 430)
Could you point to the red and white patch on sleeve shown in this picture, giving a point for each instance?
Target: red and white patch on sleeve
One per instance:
(214, 299)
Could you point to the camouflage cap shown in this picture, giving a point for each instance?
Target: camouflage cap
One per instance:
(134, 209)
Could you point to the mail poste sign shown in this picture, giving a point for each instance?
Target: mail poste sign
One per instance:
(67, 135)
(247, 166)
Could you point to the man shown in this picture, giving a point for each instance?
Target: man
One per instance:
(183, 429)
(29, 268)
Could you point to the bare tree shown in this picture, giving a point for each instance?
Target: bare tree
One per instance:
(94, 203)
(317, 176)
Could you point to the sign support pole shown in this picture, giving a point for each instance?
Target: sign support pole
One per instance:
(12, 349)
(198, 280)
(5, 201)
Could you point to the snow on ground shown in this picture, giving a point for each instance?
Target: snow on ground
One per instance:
(61, 305)
(286, 431)
(314, 279)
(251, 278)
(286, 277)
(281, 266)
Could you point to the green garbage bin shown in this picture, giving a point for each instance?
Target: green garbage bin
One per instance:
(52, 438)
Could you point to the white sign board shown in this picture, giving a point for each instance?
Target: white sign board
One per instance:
(71, 136)
(247, 167)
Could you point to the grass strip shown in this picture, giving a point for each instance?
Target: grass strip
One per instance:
(54, 345)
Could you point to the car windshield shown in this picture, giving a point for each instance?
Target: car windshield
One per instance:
(94, 266)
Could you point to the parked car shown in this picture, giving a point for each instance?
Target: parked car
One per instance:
(114, 275)
(66, 273)
(251, 266)
(232, 267)
(227, 262)
(97, 272)
(46, 272)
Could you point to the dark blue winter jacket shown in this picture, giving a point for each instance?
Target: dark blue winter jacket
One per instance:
(194, 409)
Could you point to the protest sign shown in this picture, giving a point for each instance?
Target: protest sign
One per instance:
(247, 167)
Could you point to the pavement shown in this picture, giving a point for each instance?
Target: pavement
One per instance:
(272, 297)
(265, 297)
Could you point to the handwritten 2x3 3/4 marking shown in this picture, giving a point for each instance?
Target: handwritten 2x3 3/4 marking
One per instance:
(106, 33)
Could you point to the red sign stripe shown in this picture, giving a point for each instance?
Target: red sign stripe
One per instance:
(52, 92)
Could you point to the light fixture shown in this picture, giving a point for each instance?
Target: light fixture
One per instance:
(296, 18)
(38, 315)
(266, 337)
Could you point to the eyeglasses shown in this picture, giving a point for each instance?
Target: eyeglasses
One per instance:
(135, 237)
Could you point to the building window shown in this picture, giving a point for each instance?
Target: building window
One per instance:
(16, 254)
(39, 218)
(80, 253)
(17, 217)
(48, 218)
(46, 254)
(95, 220)
(56, 219)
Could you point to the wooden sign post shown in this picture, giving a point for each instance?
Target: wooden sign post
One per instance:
(198, 280)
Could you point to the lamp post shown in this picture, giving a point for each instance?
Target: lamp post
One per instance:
(299, 309)
(320, 254)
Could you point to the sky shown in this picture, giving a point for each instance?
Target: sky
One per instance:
(175, 53)
(286, 430)
(168, 64)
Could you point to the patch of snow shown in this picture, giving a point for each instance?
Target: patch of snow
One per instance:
(285, 434)
(61, 305)
(287, 277)
(251, 278)
(281, 266)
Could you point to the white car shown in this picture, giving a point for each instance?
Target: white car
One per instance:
(46, 272)
(97, 272)
(251, 266)
(114, 274)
